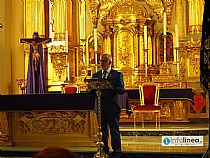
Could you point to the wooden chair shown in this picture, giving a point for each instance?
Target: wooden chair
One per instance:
(149, 96)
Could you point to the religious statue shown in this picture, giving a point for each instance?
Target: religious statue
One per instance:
(35, 77)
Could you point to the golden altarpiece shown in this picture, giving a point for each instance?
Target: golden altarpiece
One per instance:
(82, 30)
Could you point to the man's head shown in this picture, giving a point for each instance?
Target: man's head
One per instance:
(106, 61)
(35, 35)
(54, 152)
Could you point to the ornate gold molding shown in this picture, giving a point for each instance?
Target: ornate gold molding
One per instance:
(189, 56)
(128, 8)
(52, 123)
(160, 6)
(108, 9)
(179, 110)
(168, 5)
(157, 7)
(58, 60)
(4, 128)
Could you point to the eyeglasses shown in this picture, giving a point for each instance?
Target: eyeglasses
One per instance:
(103, 61)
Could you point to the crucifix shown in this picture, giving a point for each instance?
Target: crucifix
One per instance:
(35, 77)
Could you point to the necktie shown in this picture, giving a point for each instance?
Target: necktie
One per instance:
(104, 74)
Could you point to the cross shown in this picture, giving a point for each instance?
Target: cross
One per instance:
(35, 39)
(36, 76)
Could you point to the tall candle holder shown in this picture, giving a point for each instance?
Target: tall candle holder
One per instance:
(164, 67)
(95, 35)
(67, 68)
(146, 64)
(21, 85)
(84, 57)
(177, 62)
(96, 60)
(164, 48)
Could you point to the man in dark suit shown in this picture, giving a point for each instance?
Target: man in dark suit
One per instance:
(110, 105)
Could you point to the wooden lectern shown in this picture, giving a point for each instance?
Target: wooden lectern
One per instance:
(99, 84)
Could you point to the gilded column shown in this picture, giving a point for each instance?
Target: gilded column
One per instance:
(138, 45)
(150, 56)
(74, 38)
(154, 55)
(82, 15)
(141, 47)
(196, 8)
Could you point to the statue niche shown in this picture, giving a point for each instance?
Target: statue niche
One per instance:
(169, 48)
(91, 52)
(124, 54)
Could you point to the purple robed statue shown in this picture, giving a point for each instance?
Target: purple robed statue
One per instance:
(36, 76)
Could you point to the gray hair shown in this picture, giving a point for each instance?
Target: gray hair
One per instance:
(106, 57)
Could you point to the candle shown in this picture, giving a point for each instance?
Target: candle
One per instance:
(83, 54)
(66, 33)
(145, 47)
(82, 34)
(176, 35)
(95, 40)
(164, 23)
(145, 37)
(82, 20)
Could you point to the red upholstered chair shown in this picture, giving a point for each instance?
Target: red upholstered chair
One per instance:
(149, 96)
(71, 89)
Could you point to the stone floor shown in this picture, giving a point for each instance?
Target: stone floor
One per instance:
(139, 143)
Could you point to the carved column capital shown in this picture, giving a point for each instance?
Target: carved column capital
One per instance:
(107, 31)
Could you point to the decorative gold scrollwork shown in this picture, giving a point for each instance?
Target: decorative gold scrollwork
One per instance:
(52, 122)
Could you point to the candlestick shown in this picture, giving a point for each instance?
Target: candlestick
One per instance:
(145, 51)
(68, 71)
(164, 36)
(95, 47)
(83, 54)
(177, 61)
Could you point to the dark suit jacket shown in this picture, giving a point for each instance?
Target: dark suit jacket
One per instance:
(110, 101)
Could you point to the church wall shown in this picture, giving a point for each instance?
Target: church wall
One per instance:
(17, 51)
(12, 53)
(5, 53)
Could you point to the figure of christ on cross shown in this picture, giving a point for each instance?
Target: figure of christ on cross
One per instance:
(35, 77)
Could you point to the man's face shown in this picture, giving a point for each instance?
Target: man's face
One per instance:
(105, 64)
